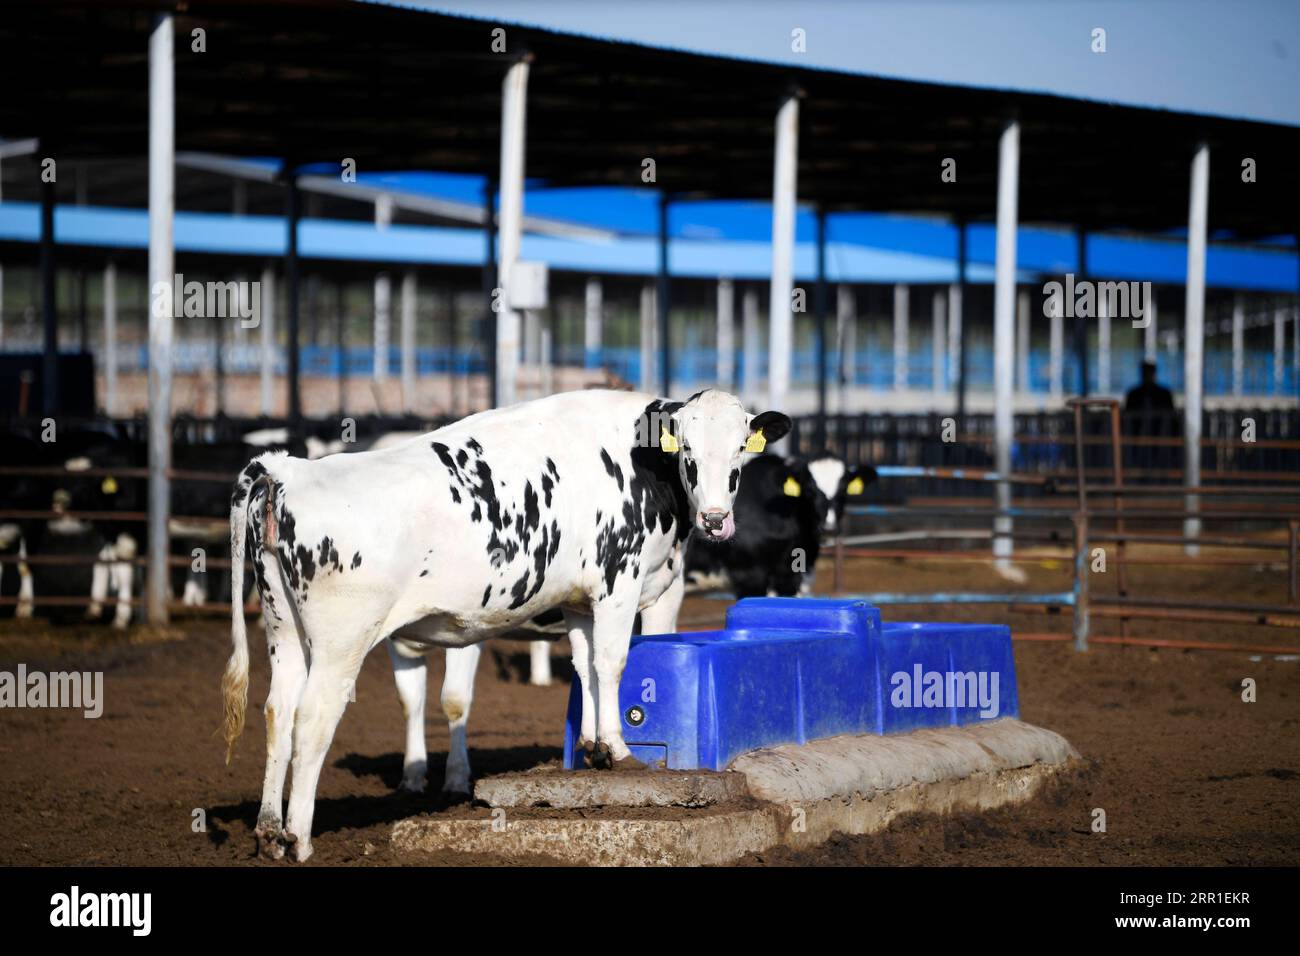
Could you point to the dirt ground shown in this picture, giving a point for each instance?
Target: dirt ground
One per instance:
(1186, 772)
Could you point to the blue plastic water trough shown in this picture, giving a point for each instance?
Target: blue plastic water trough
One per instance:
(790, 670)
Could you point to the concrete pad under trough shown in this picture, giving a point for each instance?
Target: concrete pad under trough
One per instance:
(796, 795)
(570, 789)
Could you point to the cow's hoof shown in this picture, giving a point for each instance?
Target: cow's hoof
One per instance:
(629, 763)
(588, 749)
(601, 757)
(455, 793)
(412, 783)
(269, 846)
(94, 613)
(24, 610)
(121, 624)
(299, 850)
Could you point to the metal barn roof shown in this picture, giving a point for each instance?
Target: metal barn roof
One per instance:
(393, 88)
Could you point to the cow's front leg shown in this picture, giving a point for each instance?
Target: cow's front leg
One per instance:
(580, 635)
(99, 583)
(26, 592)
(611, 635)
(411, 674)
(661, 617)
(124, 573)
(457, 696)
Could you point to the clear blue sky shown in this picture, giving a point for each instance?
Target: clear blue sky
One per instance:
(1227, 58)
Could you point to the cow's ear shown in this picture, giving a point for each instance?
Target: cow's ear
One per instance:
(668, 442)
(859, 478)
(765, 427)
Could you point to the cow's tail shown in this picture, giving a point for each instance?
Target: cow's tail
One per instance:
(252, 488)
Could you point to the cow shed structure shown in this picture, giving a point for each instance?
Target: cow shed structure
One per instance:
(323, 81)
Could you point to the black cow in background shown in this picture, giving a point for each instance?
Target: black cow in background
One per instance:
(782, 508)
(20, 493)
(95, 481)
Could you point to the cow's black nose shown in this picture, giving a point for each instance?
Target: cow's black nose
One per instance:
(713, 519)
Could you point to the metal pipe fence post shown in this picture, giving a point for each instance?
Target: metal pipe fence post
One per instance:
(1117, 472)
(1294, 528)
(1081, 581)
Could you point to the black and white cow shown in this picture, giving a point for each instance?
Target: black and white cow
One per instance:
(783, 507)
(838, 481)
(582, 501)
(20, 534)
(96, 464)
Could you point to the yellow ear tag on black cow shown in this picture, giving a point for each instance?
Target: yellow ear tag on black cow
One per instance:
(668, 441)
(756, 443)
(792, 488)
(855, 487)
(109, 486)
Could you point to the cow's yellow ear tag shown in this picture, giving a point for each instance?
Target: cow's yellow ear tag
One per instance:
(756, 443)
(792, 488)
(109, 486)
(855, 487)
(667, 441)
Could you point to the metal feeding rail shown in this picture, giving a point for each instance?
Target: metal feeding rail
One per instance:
(1083, 516)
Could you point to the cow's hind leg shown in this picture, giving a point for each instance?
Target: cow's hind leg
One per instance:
(331, 683)
(411, 675)
(288, 676)
(123, 576)
(26, 592)
(539, 663)
(457, 696)
(100, 579)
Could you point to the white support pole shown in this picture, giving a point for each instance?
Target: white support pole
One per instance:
(902, 306)
(1103, 345)
(780, 330)
(514, 111)
(1238, 344)
(938, 318)
(409, 292)
(1194, 336)
(162, 258)
(383, 211)
(267, 350)
(110, 339)
(1022, 341)
(846, 327)
(383, 324)
(726, 334)
(546, 376)
(593, 323)
(750, 347)
(954, 333)
(1279, 349)
(1149, 340)
(1056, 350)
(532, 338)
(1004, 319)
(649, 327)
